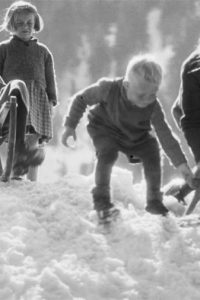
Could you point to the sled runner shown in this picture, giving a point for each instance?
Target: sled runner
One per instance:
(8, 109)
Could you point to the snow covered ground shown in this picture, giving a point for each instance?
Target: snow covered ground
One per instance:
(51, 248)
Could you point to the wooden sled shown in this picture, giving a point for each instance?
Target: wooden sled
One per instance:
(9, 109)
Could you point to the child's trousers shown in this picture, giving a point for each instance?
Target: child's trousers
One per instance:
(107, 152)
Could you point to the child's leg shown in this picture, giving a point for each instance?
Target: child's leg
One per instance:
(149, 153)
(32, 173)
(32, 141)
(150, 156)
(106, 151)
(101, 191)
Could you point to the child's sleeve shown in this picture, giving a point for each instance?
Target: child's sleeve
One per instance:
(2, 83)
(167, 138)
(177, 112)
(89, 96)
(50, 76)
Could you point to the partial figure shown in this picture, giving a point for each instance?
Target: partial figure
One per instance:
(121, 118)
(24, 58)
(186, 113)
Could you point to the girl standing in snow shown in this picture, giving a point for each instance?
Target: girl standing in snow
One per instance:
(23, 57)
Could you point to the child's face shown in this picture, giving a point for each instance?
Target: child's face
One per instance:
(139, 91)
(24, 25)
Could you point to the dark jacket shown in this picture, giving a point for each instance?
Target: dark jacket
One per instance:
(186, 109)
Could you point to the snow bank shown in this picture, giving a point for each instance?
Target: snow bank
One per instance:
(51, 248)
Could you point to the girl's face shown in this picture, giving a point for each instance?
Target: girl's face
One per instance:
(139, 91)
(24, 25)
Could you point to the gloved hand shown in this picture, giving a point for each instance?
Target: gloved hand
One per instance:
(187, 174)
(196, 179)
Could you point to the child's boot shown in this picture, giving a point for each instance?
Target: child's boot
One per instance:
(33, 143)
(106, 212)
(107, 215)
(35, 156)
(156, 207)
(19, 166)
(25, 157)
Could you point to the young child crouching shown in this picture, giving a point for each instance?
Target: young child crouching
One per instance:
(121, 118)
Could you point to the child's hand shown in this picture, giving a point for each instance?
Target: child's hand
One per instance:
(69, 132)
(186, 173)
(196, 179)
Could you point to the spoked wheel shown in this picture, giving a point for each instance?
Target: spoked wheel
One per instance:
(11, 138)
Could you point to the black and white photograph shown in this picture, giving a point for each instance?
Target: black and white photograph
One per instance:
(99, 149)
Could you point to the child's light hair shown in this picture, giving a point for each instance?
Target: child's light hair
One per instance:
(17, 8)
(145, 66)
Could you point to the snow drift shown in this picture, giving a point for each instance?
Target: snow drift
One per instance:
(51, 248)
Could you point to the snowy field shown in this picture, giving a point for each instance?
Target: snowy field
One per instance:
(51, 248)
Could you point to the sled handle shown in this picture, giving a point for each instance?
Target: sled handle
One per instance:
(1, 168)
(11, 139)
(193, 203)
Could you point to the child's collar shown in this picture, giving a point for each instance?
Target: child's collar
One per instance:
(16, 38)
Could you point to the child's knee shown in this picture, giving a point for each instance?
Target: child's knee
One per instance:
(107, 157)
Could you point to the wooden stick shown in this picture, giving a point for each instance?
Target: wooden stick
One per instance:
(11, 139)
(193, 203)
(1, 168)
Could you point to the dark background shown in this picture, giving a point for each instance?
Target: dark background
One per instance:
(94, 38)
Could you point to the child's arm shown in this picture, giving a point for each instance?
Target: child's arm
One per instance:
(185, 171)
(170, 142)
(66, 134)
(51, 80)
(91, 95)
(167, 138)
(177, 113)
